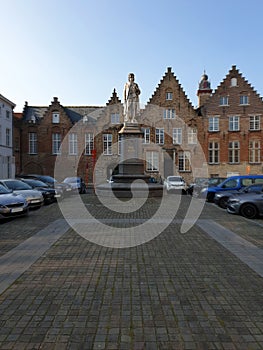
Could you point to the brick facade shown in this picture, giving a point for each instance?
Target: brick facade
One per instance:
(171, 121)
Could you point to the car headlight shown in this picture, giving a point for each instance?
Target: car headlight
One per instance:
(204, 189)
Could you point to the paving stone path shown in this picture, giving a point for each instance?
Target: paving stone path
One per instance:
(199, 290)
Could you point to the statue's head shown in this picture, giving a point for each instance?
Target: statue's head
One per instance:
(131, 76)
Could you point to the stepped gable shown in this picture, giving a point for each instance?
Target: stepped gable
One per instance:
(169, 79)
(35, 113)
(114, 99)
(234, 73)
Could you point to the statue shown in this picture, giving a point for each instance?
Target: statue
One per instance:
(131, 100)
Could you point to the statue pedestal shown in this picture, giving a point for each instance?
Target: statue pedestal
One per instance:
(131, 181)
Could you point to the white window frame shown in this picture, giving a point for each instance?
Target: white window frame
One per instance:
(243, 100)
(192, 136)
(107, 144)
(213, 152)
(234, 152)
(223, 101)
(213, 124)
(147, 135)
(177, 136)
(56, 143)
(32, 143)
(115, 118)
(159, 136)
(184, 161)
(169, 96)
(254, 122)
(89, 143)
(169, 113)
(233, 123)
(152, 161)
(254, 151)
(55, 117)
(73, 144)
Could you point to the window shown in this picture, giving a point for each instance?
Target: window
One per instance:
(107, 144)
(8, 137)
(159, 136)
(89, 143)
(32, 143)
(233, 82)
(234, 123)
(147, 134)
(192, 136)
(233, 152)
(119, 144)
(115, 118)
(7, 114)
(152, 161)
(254, 122)
(213, 152)
(73, 144)
(56, 142)
(55, 118)
(254, 151)
(213, 124)
(169, 96)
(223, 101)
(177, 136)
(184, 161)
(243, 100)
(169, 113)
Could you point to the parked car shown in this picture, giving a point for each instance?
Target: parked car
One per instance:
(76, 183)
(203, 183)
(249, 205)
(221, 198)
(229, 184)
(198, 181)
(34, 198)
(49, 194)
(62, 188)
(175, 183)
(12, 204)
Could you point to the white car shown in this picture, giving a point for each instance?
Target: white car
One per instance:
(33, 197)
(175, 183)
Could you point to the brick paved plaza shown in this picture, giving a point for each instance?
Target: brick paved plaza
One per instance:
(202, 289)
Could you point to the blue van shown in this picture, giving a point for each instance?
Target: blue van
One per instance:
(232, 183)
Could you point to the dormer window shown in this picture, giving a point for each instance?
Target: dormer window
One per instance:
(85, 119)
(55, 118)
(32, 119)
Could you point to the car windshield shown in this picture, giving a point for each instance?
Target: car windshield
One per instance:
(174, 178)
(4, 190)
(35, 183)
(71, 180)
(17, 185)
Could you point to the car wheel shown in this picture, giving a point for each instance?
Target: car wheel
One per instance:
(249, 211)
(223, 202)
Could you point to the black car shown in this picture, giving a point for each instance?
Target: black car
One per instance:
(49, 194)
(62, 188)
(221, 198)
(77, 184)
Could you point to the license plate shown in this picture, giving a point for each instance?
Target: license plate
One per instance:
(35, 201)
(16, 210)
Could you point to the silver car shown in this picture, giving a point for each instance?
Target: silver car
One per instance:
(249, 205)
(34, 198)
(12, 204)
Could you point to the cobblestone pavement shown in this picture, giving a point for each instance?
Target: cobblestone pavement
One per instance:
(177, 291)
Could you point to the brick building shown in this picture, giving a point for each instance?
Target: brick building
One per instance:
(220, 137)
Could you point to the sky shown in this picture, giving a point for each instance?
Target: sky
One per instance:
(80, 50)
